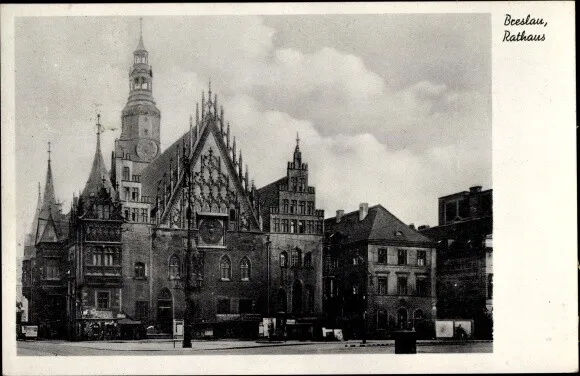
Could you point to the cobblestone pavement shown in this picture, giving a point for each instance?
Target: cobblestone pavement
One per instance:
(222, 347)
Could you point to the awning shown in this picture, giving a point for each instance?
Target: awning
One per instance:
(128, 322)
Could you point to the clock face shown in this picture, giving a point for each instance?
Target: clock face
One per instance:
(211, 230)
(147, 149)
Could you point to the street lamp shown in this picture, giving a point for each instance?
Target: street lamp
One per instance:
(187, 287)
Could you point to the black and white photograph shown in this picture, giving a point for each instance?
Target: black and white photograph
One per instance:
(278, 183)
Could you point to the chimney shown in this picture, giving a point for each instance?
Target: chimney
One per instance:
(339, 214)
(475, 189)
(412, 226)
(363, 211)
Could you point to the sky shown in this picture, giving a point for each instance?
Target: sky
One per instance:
(391, 109)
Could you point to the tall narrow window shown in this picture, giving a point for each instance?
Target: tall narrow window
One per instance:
(139, 270)
(382, 256)
(225, 268)
(310, 207)
(52, 270)
(382, 319)
(421, 258)
(292, 226)
(301, 227)
(285, 206)
(283, 260)
(245, 269)
(402, 285)
(103, 299)
(302, 207)
(285, 227)
(421, 286)
(296, 258)
(126, 173)
(308, 260)
(382, 285)
(141, 310)
(134, 214)
(402, 257)
(293, 206)
(174, 271)
(276, 224)
(490, 286)
(144, 215)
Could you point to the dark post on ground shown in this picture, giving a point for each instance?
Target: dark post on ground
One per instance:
(187, 287)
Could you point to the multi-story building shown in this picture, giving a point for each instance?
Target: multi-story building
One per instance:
(295, 231)
(119, 256)
(464, 263)
(379, 274)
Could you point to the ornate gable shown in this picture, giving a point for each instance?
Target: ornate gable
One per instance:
(217, 182)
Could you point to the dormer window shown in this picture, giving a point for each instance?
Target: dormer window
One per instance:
(398, 233)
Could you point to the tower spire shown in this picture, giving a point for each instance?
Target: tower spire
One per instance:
(99, 176)
(297, 153)
(140, 46)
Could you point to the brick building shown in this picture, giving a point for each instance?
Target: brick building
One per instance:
(295, 230)
(379, 274)
(118, 257)
(465, 263)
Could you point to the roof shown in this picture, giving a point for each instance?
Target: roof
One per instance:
(99, 175)
(379, 224)
(154, 171)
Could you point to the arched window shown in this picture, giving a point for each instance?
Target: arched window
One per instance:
(308, 260)
(284, 260)
(174, 269)
(245, 269)
(402, 318)
(225, 268)
(296, 258)
(139, 270)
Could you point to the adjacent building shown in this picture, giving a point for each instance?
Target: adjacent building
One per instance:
(465, 264)
(379, 275)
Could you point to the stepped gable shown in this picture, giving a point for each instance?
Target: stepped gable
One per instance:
(379, 224)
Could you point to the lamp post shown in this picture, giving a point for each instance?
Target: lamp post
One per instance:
(188, 252)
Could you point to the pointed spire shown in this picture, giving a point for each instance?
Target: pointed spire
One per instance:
(234, 151)
(246, 178)
(297, 153)
(99, 176)
(222, 120)
(202, 105)
(49, 196)
(228, 136)
(140, 46)
(240, 164)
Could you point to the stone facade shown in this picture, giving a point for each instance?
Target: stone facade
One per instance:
(379, 275)
(465, 258)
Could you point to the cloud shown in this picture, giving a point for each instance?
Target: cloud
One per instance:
(395, 123)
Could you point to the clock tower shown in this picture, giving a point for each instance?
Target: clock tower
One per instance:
(139, 142)
(140, 135)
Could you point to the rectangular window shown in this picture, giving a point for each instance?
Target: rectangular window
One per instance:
(310, 227)
(319, 227)
(276, 225)
(402, 285)
(355, 260)
(144, 215)
(293, 206)
(285, 203)
(463, 208)
(245, 306)
(135, 194)
(97, 257)
(223, 306)
(302, 207)
(127, 192)
(134, 214)
(421, 286)
(127, 214)
(103, 299)
(52, 270)
(310, 207)
(294, 184)
(126, 173)
(382, 256)
(285, 226)
(421, 258)
(139, 270)
(450, 211)
(142, 310)
(301, 227)
(382, 319)
(292, 226)
(329, 287)
(302, 185)
(382, 285)
(402, 257)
